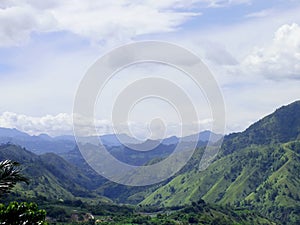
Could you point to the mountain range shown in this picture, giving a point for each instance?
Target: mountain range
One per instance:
(257, 169)
(44, 143)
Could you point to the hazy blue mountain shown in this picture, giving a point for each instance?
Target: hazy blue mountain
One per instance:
(203, 137)
(12, 132)
(62, 144)
(38, 144)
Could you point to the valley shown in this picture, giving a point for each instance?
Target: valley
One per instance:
(254, 179)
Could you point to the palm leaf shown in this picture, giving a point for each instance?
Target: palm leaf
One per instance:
(10, 175)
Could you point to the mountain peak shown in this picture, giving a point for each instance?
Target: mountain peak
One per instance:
(12, 132)
(281, 126)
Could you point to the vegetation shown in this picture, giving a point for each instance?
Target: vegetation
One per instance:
(86, 210)
(9, 176)
(257, 170)
(72, 212)
(22, 213)
(15, 213)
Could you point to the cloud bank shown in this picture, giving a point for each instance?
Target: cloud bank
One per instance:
(62, 124)
(97, 21)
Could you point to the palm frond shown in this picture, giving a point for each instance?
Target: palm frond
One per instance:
(10, 175)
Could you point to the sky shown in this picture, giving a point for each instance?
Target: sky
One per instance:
(252, 47)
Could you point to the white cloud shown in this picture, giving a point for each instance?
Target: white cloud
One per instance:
(223, 3)
(260, 14)
(17, 23)
(281, 58)
(95, 20)
(247, 89)
(53, 125)
(62, 124)
(98, 21)
(48, 86)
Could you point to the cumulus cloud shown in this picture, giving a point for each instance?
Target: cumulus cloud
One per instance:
(98, 21)
(17, 23)
(62, 124)
(52, 125)
(281, 58)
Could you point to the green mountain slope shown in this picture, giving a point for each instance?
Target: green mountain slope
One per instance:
(279, 127)
(257, 169)
(197, 213)
(51, 177)
(59, 188)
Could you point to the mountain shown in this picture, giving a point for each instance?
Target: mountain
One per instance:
(51, 177)
(65, 190)
(7, 132)
(43, 143)
(117, 140)
(37, 144)
(65, 147)
(203, 137)
(279, 127)
(138, 154)
(256, 169)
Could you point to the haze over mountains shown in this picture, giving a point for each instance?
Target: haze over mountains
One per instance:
(258, 169)
(61, 144)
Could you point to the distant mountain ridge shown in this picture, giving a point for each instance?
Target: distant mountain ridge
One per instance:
(44, 143)
(38, 144)
(12, 132)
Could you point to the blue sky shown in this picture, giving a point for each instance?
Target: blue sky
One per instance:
(251, 46)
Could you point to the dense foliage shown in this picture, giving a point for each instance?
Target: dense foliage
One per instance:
(22, 213)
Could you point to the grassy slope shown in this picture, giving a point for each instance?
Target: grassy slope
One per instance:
(264, 178)
(258, 168)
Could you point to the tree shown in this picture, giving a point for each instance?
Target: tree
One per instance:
(17, 213)
(10, 175)
(22, 213)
